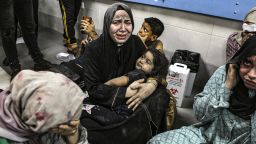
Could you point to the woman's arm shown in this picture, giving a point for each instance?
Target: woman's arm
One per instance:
(143, 91)
(214, 97)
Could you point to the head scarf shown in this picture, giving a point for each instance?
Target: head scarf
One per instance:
(109, 14)
(236, 40)
(241, 104)
(36, 102)
(105, 58)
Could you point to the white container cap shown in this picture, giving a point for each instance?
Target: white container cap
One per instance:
(179, 68)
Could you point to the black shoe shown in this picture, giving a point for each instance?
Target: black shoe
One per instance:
(42, 65)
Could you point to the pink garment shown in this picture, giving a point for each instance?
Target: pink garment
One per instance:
(36, 102)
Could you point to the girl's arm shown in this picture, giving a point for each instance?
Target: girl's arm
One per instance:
(118, 82)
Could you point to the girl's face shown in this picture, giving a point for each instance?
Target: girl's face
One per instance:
(247, 72)
(121, 27)
(145, 62)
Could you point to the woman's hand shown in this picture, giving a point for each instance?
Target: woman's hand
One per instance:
(69, 130)
(130, 91)
(144, 90)
(232, 76)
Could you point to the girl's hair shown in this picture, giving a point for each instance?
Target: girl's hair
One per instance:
(160, 62)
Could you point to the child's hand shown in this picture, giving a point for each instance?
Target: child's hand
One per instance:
(232, 76)
(143, 38)
(86, 27)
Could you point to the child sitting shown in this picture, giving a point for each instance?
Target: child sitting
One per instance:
(151, 64)
(149, 32)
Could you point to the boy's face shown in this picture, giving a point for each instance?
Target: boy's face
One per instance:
(145, 62)
(146, 33)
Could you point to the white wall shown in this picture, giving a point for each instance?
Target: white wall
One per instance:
(183, 30)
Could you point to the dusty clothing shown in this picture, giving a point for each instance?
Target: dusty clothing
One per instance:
(36, 102)
(102, 64)
(218, 124)
(104, 60)
(226, 116)
(105, 116)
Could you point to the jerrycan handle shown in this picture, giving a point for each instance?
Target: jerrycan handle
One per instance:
(180, 65)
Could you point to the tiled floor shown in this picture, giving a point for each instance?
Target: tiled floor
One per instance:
(50, 42)
(4, 79)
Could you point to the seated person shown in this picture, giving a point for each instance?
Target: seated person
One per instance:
(114, 54)
(151, 64)
(236, 39)
(226, 108)
(151, 29)
(35, 104)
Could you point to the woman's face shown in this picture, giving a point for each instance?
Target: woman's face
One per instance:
(145, 62)
(247, 72)
(121, 27)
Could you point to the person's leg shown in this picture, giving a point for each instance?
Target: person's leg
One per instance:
(101, 114)
(68, 10)
(184, 135)
(35, 12)
(24, 12)
(65, 39)
(7, 26)
(77, 9)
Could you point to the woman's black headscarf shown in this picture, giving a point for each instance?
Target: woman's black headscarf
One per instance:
(240, 103)
(109, 14)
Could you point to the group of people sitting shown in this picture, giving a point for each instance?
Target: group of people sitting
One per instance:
(124, 98)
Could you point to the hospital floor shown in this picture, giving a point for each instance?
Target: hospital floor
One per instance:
(50, 43)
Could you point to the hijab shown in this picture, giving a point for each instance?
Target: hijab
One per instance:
(109, 14)
(236, 40)
(104, 59)
(36, 102)
(241, 103)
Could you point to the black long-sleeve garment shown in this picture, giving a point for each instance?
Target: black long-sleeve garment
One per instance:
(102, 62)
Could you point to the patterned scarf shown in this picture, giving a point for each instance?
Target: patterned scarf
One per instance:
(36, 102)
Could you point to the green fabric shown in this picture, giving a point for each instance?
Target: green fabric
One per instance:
(3, 141)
